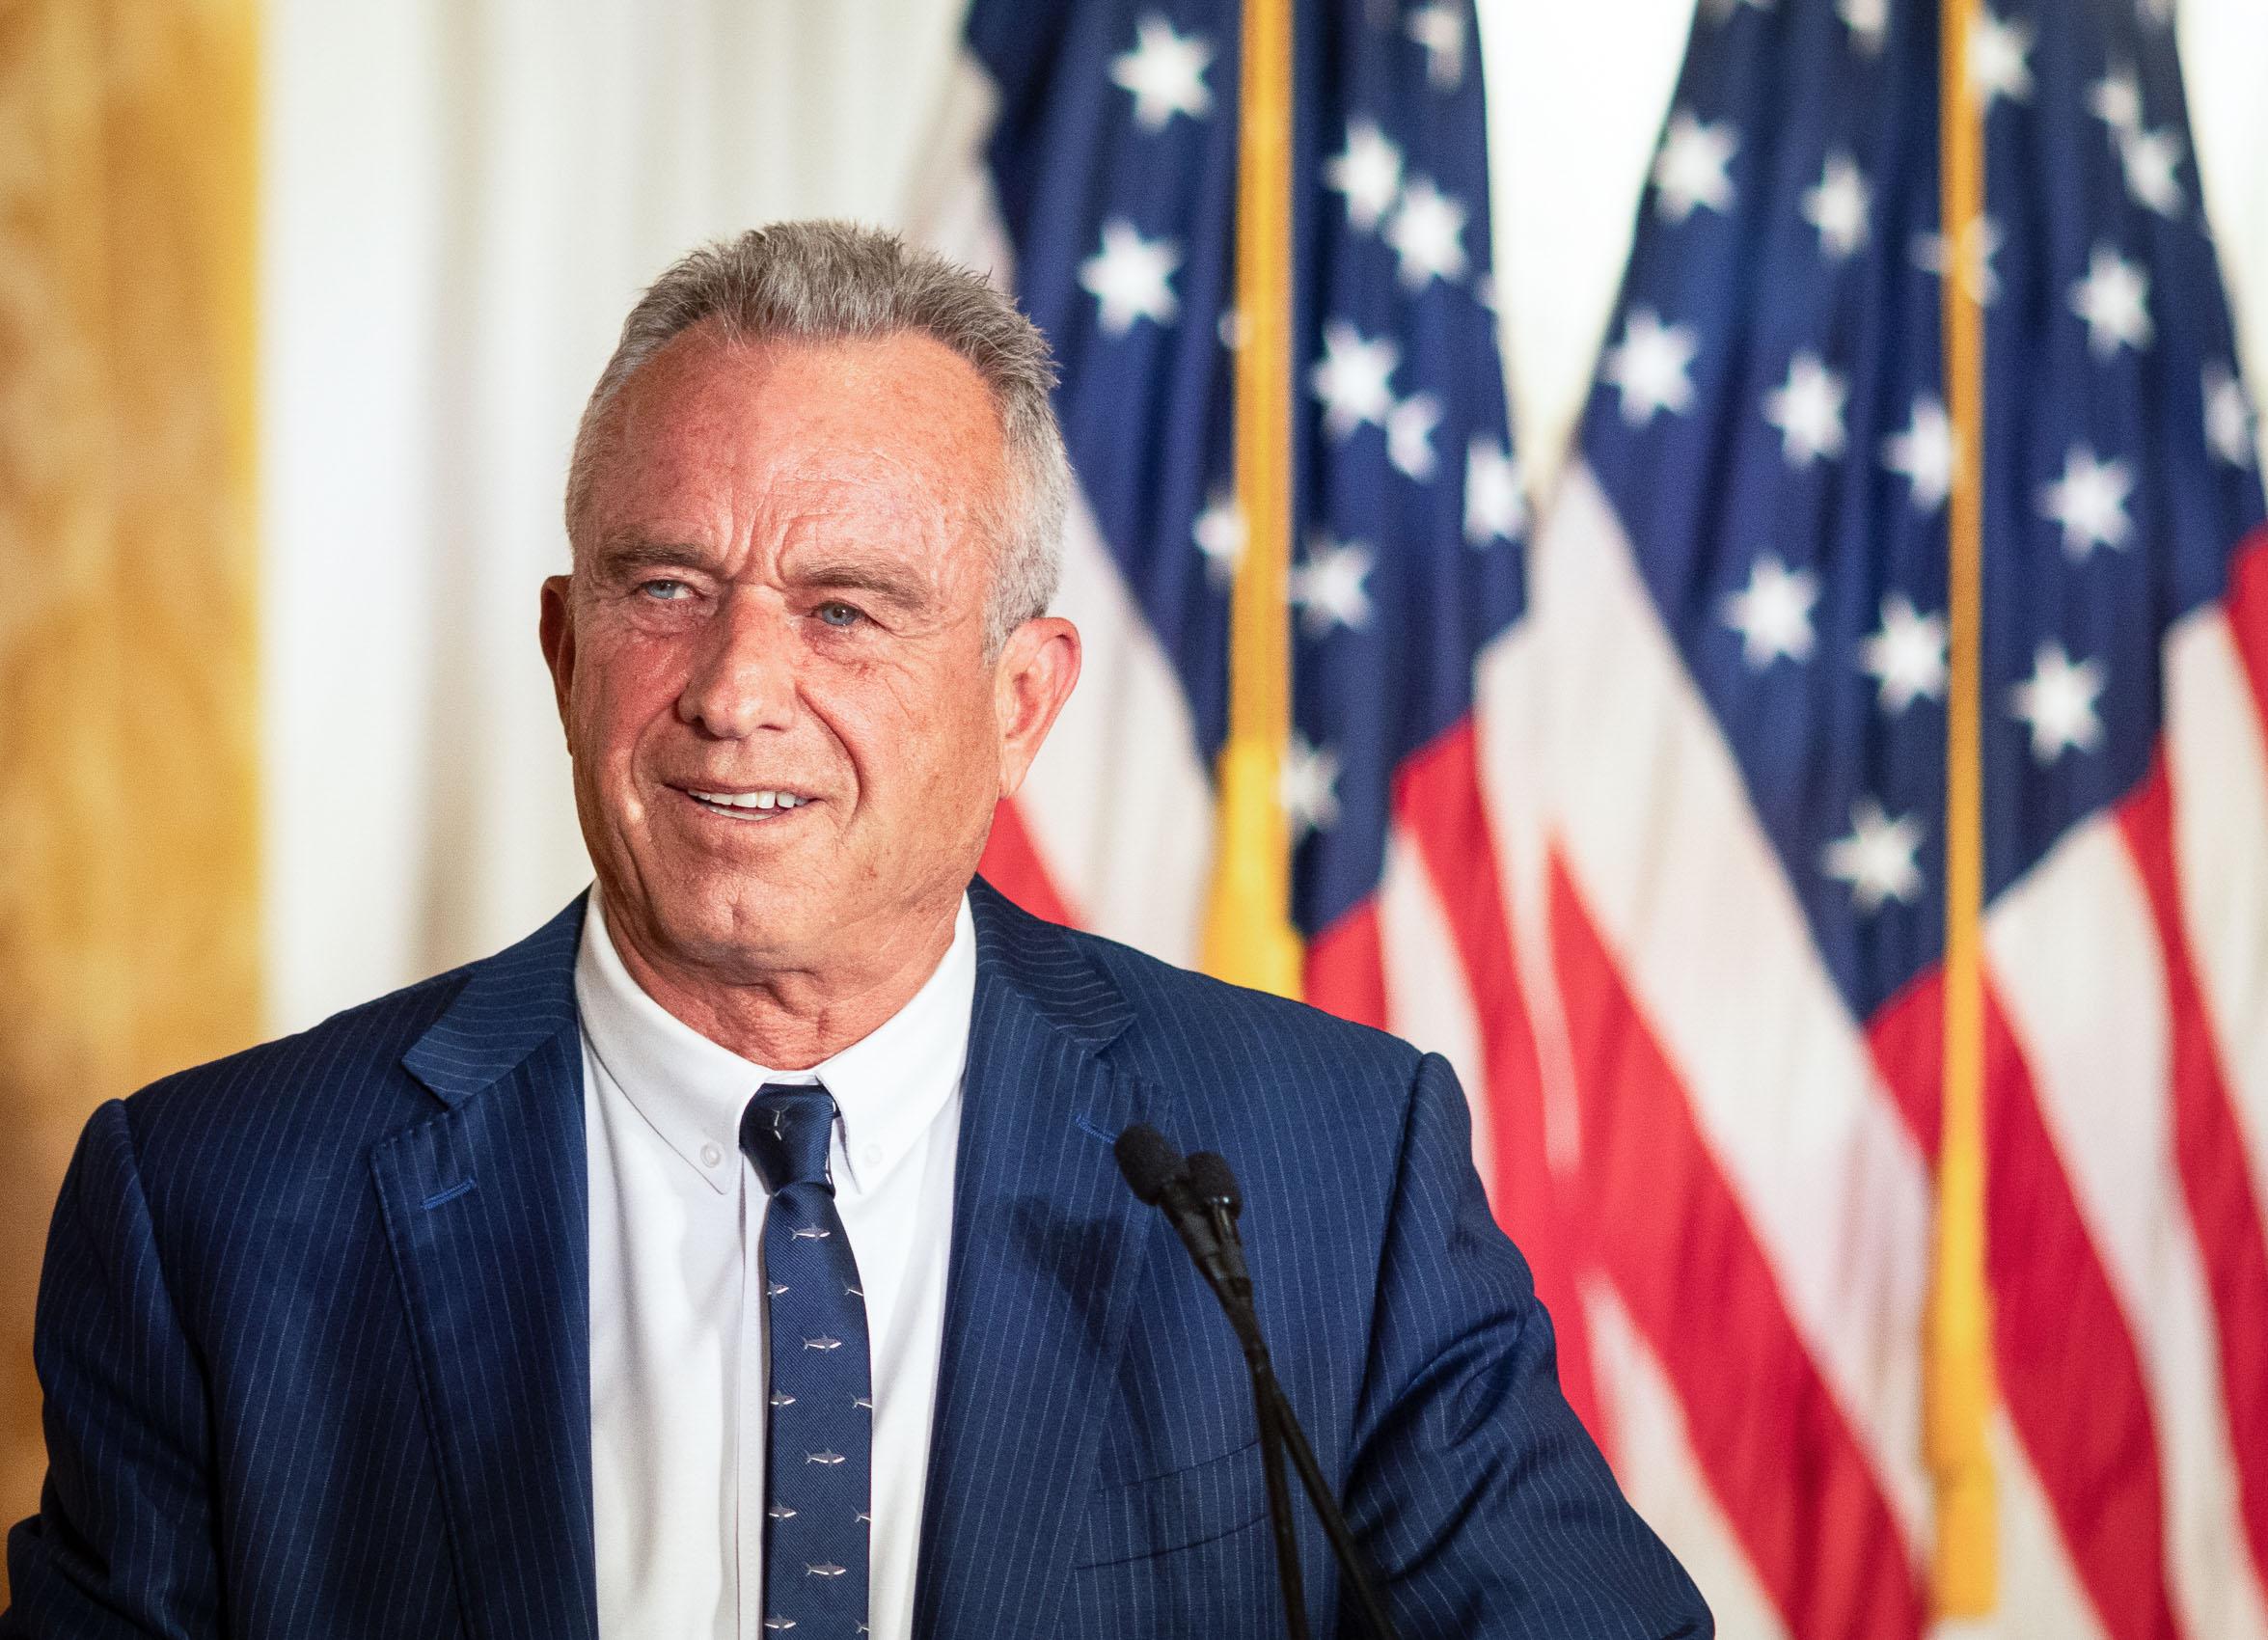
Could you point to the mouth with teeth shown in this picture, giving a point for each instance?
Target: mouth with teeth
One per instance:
(748, 804)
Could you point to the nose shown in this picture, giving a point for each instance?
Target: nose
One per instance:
(743, 678)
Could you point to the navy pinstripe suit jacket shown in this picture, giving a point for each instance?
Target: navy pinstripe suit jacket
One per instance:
(313, 1331)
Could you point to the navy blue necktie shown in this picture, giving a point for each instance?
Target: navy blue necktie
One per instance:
(820, 1423)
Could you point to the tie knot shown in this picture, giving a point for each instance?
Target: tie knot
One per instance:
(785, 1132)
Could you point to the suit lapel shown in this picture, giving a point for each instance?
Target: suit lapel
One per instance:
(486, 1207)
(1045, 1257)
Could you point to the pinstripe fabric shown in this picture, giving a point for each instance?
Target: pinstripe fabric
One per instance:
(313, 1331)
(1093, 1471)
(284, 1395)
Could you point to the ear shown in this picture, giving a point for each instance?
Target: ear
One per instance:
(555, 628)
(1032, 678)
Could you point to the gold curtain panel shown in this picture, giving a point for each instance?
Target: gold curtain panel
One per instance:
(128, 800)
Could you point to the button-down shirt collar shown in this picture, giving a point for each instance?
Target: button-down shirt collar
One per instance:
(888, 1086)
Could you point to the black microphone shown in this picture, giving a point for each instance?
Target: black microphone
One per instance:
(1202, 1199)
(1157, 1176)
(1215, 1186)
(1148, 1159)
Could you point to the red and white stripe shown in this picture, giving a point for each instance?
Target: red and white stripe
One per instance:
(1780, 1152)
(1748, 1191)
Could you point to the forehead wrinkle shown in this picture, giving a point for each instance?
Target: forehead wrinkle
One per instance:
(897, 475)
(658, 446)
(853, 550)
(902, 535)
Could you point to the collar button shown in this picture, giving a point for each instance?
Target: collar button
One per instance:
(711, 1155)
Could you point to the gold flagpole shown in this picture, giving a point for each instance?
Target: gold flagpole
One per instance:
(1248, 934)
(1957, 1392)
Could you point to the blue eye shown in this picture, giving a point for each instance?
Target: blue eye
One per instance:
(838, 614)
(664, 592)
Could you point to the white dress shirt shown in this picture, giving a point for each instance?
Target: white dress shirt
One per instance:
(677, 1337)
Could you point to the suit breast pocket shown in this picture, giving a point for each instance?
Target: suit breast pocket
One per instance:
(1201, 1504)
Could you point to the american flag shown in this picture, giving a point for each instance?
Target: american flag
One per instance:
(1652, 842)
(1740, 604)
(1090, 163)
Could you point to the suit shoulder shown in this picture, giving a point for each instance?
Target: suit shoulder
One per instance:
(323, 1065)
(346, 1072)
(1308, 1107)
(1191, 1021)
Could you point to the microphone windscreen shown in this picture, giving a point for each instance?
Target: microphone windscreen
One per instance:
(1212, 1181)
(1148, 1159)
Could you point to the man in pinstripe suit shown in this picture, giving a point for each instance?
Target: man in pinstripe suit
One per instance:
(453, 1315)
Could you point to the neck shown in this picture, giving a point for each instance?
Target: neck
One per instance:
(793, 1017)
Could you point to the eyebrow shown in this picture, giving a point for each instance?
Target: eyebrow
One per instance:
(900, 585)
(630, 555)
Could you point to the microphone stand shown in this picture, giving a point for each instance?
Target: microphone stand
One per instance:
(1279, 1425)
(1232, 1285)
(1279, 1505)
(1326, 1508)
(1201, 1200)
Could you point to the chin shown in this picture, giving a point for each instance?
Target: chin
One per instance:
(702, 918)
(724, 926)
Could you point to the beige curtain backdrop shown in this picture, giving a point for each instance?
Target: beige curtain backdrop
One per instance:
(128, 811)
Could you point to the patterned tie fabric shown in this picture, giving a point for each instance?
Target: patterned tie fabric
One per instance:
(819, 1424)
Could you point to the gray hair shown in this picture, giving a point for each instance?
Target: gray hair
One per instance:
(838, 281)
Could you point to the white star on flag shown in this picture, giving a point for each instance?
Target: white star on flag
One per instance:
(1496, 497)
(1166, 71)
(1773, 613)
(1980, 244)
(1869, 23)
(1904, 656)
(1837, 206)
(1691, 169)
(1368, 172)
(1649, 367)
(2058, 701)
(1219, 535)
(1130, 276)
(2090, 502)
(1327, 590)
(1427, 232)
(2113, 300)
(2116, 99)
(1808, 410)
(1998, 52)
(1350, 379)
(1308, 787)
(2228, 418)
(1926, 454)
(1877, 858)
(1410, 435)
(2148, 158)
(1440, 28)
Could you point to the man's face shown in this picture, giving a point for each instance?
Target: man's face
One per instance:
(780, 599)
